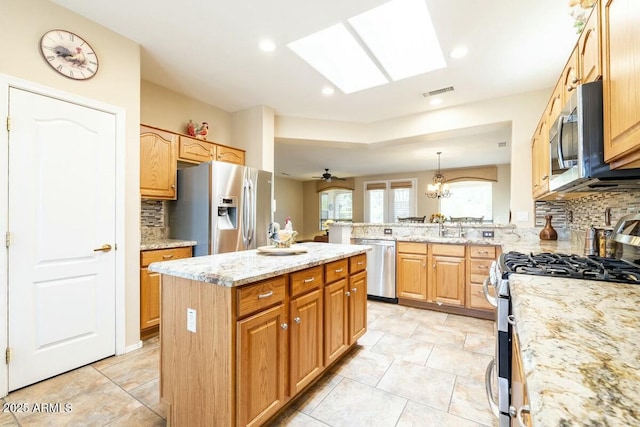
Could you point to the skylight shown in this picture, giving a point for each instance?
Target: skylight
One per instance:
(401, 36)
(338, 56)
(393, 41)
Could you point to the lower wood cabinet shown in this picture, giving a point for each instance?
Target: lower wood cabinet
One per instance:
(150, 287)
(411, 270)
(447, 281)
(261, 372)
(256, 346)
(445, 277)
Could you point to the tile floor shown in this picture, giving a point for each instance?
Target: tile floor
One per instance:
(413, 368)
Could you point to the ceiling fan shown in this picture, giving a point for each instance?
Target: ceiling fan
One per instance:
(328, 177)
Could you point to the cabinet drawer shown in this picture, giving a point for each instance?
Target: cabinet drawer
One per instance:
(261, 295)
(306, 280)
(336, 270)
(482, 252)
(147, 257)
(479, 270)
(448, 250)
(412, 247)
(357, 263)
(477, 297)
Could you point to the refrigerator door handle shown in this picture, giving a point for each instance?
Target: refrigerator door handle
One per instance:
(245, 213)
(252, 214)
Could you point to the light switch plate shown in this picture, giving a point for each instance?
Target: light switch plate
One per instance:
(191, 320)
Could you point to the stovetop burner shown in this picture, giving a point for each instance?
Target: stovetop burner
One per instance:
(570, 266)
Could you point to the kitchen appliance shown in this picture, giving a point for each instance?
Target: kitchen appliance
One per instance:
(577, 147)
(381, 269)
(223, 206)
(625, 269)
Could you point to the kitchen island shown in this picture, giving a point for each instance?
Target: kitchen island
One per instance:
(243, 333)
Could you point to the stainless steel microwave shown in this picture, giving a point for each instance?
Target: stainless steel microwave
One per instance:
(577, 147)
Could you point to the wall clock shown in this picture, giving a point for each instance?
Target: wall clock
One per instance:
(69, 54)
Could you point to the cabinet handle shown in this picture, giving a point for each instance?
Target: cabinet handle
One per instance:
(297, 319)
(348, 293)
(265, 295)
(544, 178)
(360, 262)
(284, 326)
(338, 270)
(309, 280)
(522, 409)
(484, 267)
(167, 256)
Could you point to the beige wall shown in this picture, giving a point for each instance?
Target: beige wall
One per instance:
(166, 109)
(22, 24)
(288, 194)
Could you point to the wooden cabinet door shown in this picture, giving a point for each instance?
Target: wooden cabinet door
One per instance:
(336, 319)
(541, 163)
(569, 76)
(621, 82)
(158, 164)
(519, 396)
(589, 53)
(555, 104)
(412, 276)
(192, 150)
(261, 366)
(357, 306)
(149, 298)
(306, 339)
(447, 280)
(229, 155)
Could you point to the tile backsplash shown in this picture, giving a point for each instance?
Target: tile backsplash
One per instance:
(579, 214)
(152, 223)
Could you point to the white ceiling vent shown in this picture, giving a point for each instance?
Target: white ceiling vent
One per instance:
(502, 144)
(438, 91)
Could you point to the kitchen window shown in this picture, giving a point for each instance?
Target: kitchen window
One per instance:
(336, 204)
(386, 201)
(469, 199)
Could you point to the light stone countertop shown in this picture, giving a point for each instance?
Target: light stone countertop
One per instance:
(166, 244)
(240, 268)
(580, 352)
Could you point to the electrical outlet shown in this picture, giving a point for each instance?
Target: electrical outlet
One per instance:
(387, 231)
(487, 233)
(191, 320)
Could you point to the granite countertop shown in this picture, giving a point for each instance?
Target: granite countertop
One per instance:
(580, 353)
(239, 268)
(149, 245)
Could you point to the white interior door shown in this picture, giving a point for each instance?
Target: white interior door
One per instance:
(61, 292)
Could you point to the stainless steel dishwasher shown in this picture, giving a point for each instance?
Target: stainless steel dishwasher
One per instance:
(381, 269)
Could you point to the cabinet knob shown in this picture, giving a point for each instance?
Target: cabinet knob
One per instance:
(434, 266)
(297, 319)
(354, 290)
(348, 293)
(173, 186)
(284, 326)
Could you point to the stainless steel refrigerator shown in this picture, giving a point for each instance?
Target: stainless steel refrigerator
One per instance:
(223, 206)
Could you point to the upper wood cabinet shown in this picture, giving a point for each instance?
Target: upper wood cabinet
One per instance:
(621, 82)
(192, 150)
(589, 52)
(229, 155)
(569, 78)
(158, 164)
(541, 164)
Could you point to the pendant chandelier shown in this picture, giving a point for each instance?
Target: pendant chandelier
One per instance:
(438, 189)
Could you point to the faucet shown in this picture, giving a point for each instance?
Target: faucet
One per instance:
(442, 231)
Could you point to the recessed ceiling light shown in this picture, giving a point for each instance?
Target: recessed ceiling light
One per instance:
(267, 46)
(459, 52)
(435, 101)
(328, 90)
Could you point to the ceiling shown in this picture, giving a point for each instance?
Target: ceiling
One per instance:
(208, 50)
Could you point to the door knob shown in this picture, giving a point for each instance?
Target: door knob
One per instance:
(103, 248)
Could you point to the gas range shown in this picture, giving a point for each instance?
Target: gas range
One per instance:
(570, 266)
